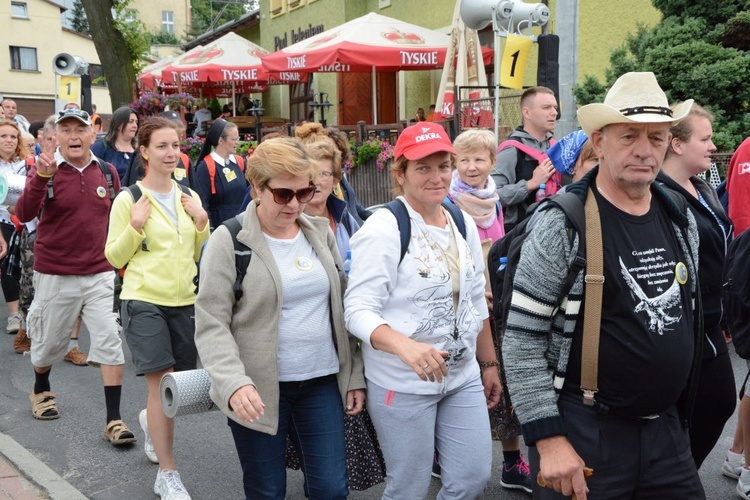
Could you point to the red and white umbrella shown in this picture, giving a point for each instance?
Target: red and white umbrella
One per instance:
(230, 58)
(370, 41)
(150, 76)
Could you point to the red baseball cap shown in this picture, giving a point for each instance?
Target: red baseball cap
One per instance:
(423, 139)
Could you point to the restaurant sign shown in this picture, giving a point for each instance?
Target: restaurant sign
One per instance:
(280, 42)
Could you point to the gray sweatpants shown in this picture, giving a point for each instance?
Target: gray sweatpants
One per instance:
(456, 423)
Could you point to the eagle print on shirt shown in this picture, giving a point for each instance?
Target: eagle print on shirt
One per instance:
(663, 309)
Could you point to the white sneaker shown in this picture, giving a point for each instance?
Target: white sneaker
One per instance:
(148, 445)
(733, 464)
(14, 323)
(169, 486)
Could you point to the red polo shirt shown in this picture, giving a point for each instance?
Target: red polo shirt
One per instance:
(72, 231)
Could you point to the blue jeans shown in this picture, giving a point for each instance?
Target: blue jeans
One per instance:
(311, 413)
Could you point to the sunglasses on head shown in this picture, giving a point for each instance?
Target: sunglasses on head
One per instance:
(282, 196)
(74, 112)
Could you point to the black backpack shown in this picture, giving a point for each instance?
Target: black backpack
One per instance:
(736, 293)
(509, 247)
(398, 209)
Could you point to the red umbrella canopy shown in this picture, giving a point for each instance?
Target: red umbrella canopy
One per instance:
(230, 58)
(363, 43)
(150, 76)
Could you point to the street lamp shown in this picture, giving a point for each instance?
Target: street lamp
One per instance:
(323, 104)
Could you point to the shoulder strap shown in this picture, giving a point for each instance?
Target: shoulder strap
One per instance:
(534, 153)
(592, 315)
(242, 255)
(185, 189)
(240, 162)
(185, 162)
(108, 176)
(458, 217)
(134, 190)
(211, 166)
(398, 209)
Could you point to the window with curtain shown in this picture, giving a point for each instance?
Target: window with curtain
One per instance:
(23, 58)
(167, 21)
(18, 9)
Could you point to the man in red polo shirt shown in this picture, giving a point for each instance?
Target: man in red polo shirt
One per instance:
(71, 194)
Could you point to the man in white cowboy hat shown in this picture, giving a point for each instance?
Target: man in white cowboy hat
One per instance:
(633, 431)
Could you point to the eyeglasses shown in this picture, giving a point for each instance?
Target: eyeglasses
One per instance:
(282, 196)
(326, 175)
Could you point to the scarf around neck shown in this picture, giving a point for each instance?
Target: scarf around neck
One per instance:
(480, 203)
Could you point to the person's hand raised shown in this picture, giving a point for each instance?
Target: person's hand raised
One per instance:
(46, 165)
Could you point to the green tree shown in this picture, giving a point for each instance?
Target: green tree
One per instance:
(688, 53)
(121, 42)
(79, 21)
(218, 12)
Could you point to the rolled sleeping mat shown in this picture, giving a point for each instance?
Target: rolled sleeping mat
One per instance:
(185, 393)
(11, 187)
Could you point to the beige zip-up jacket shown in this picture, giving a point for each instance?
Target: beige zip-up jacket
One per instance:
(237, 342)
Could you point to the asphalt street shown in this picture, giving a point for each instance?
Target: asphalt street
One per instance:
(73, 446)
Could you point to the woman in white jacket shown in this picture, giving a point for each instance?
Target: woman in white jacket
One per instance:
(424, 327)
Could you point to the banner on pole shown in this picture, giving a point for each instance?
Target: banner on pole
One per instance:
(70, 89)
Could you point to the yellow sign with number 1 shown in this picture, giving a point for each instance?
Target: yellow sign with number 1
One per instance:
(515, 57)
(70, 89)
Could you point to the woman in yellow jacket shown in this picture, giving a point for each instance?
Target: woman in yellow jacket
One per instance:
(159, 238)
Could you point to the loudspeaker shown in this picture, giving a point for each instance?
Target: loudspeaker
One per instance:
(511, 15)
(65, 64)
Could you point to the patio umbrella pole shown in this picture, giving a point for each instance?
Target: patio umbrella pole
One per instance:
(497, 77)
(234, 111)
(374, 97)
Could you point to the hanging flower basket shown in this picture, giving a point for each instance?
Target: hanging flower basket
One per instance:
(182, 99)
(149, 104)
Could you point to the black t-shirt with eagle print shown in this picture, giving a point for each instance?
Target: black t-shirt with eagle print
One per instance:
(646, 342)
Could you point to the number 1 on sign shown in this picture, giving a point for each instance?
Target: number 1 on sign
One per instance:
(515, 57)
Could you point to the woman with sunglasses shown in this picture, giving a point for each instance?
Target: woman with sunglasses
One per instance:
(430, 363)
(220, 174)
(280, 359)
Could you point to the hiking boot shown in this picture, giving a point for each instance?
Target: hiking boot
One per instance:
(14, 323)
(169, 486)
(21, 343)
(516, 476)
(76, 357)
(436, 470)
(743, 484)
(733, 464)
(148, 445)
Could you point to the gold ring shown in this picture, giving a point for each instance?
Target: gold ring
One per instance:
(425, 367)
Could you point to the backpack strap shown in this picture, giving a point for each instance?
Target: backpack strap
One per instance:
(534, 153)
(242, 255)
(240, 162)
(211, 166)
(134, 190)
(108, 176)
(185, 163)
(398, 209)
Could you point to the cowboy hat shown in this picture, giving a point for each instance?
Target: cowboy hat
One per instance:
(634, 98)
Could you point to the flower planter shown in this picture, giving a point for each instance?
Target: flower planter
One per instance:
(372, 184)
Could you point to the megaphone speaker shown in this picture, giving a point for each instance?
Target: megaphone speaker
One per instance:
(478, 14)
(64, 64)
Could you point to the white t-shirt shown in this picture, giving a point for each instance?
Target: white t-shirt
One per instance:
(305, 348)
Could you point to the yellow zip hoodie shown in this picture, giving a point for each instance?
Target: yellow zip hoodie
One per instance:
(161, 259)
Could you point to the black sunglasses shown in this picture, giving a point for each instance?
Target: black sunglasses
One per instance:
(282, 196)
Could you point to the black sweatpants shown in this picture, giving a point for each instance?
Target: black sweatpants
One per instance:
(714, 404)
(631, 458)
(9, 284)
